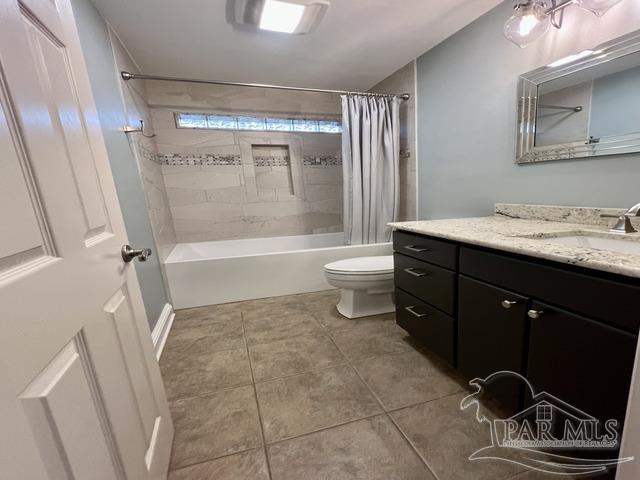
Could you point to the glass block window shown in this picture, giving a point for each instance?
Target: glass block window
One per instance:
(279, 124)
(222, 122)
(251, 123)
(329, 126)
(193, 121)
(301, 125)
(256, 123)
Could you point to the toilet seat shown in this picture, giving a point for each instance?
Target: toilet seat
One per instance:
(380, 265)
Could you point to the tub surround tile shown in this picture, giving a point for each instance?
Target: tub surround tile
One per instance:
(249, 465)
(521, 235)
(308, 402)
(370, 449)
(213, 426)
(196, 370)
(293, 355)
(446, 436)
(404, 379)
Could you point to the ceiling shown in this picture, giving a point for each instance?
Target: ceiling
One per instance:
(358, 43)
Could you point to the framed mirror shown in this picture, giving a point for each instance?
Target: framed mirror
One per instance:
(583, 105)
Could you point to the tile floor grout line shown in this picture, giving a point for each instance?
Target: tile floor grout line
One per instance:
(213, 459)
(412, 446)
(209, 394)
(305, 372)
(255, 395)
(329, 427)
(384, 410)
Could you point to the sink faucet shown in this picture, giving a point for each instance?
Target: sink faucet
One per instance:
(623, 225)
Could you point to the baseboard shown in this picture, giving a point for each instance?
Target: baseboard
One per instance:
(161, 330)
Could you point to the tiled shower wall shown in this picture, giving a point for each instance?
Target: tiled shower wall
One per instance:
(134, 96)
(238, 184)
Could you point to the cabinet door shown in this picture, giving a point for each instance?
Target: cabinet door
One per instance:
(584, 363)
(491, 337)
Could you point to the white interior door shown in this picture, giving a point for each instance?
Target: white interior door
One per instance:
(81, 395)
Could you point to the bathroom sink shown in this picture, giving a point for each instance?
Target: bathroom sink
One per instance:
(609, 243)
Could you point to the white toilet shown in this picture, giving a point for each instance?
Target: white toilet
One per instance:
(366, 283)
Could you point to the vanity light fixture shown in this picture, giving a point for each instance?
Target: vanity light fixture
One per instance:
(531, 19)
(283, 16)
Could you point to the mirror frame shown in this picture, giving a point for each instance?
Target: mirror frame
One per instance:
(526, 151)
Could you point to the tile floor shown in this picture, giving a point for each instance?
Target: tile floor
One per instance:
(287, 389)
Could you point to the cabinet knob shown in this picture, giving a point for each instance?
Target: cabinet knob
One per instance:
(508, 303)
(535, 314)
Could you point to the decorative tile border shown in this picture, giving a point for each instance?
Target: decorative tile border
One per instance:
(321, 160)
(273, 161)
(189, 159)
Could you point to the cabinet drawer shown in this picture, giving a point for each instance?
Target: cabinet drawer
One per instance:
(429, 283)
(608, 300)
(428, 249)
(428, 325)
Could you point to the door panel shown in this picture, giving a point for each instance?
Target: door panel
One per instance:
(64, 410)
(55, 79)
(81, 394)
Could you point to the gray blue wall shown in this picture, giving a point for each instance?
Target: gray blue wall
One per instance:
(104, 81)
(466, 121)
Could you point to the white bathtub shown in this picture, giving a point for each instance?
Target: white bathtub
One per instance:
(208, 273)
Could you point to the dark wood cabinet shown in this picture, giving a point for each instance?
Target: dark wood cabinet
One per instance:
(583, 362)
(491, 337)
(570, 331)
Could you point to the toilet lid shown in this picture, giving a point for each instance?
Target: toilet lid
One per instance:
(363, 265)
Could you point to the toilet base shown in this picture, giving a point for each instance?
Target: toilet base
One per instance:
(362, 303)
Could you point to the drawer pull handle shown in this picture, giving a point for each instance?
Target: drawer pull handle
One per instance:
(535, 314)
(416, 272)
(414, 313)
(417, 249)
(508, 303)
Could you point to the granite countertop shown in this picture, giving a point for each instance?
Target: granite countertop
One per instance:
(522, 235)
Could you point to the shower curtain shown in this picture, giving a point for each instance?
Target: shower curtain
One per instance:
(370, 166)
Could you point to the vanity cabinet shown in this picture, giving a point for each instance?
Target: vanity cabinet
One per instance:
(570, 331)
(491, 336)
(581, 361)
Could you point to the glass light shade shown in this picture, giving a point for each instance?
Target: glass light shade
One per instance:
(599, 7)
(528, 23)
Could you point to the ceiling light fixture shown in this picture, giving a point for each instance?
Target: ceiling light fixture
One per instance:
(283, 16)
(280, 16)
(531, 19)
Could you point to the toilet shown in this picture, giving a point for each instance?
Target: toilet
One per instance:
(366, 285)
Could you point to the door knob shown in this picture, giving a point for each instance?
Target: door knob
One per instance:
(129, 253)
(535, 314)
(508, 303)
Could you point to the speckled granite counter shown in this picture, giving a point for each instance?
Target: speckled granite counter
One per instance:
(520, 228)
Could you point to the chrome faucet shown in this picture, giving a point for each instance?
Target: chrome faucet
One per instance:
(623, 225)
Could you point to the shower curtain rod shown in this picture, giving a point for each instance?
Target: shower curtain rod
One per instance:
(138, 76)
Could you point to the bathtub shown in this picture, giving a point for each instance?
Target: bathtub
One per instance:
(209, 273)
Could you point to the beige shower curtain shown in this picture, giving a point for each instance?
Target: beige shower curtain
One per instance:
(370, 166)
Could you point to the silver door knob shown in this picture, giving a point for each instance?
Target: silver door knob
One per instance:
(535, 314)
(508, 303)
(129, 253)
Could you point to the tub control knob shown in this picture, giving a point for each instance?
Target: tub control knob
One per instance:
(128, 253)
